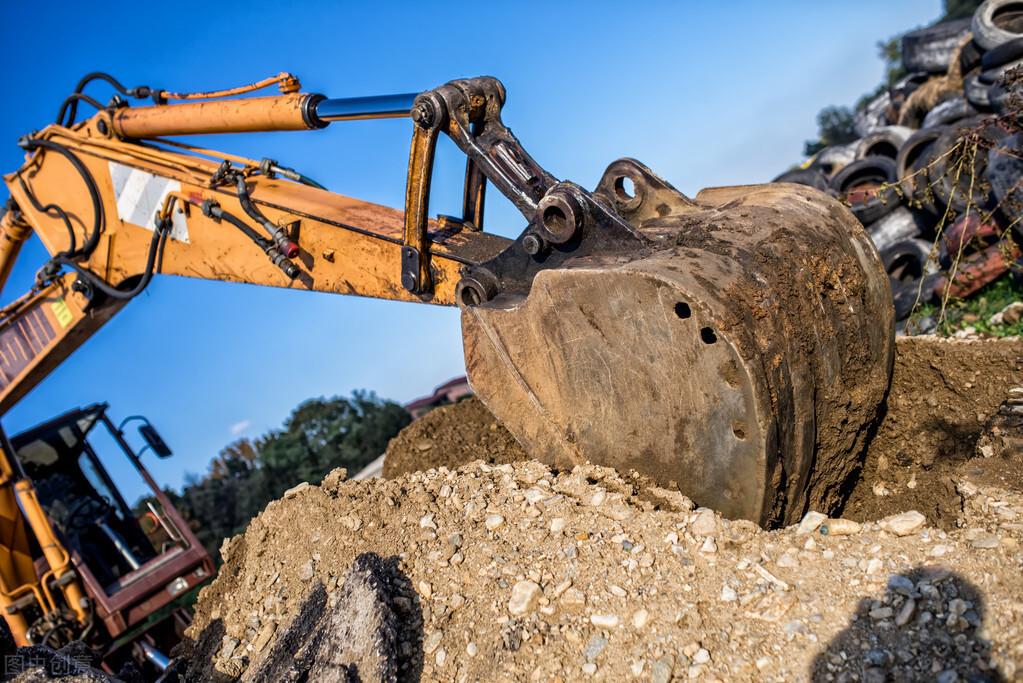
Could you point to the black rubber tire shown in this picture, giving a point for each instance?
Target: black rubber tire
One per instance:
(969, 57)
(805, 176)
(931, 49)
(911, 165)
(900, 225)
(906, 86)
(906, 294)
(996, 22)
(1000, 98)
(1005, 175)
(1006, 52)
(946, 188)
(873, 115)
(948, 112)
(831, 160)
(883, 142)
(907, 260)
(995, 73)
(866, 171)
(977, 93)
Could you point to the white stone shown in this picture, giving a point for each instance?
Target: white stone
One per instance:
(524, 598)
(604, 620)
(787, 561)
(904, 524)
(705, 523)
(492, 522)
(810, 523)
(728, 594)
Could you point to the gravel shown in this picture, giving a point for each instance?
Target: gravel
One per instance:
(594, 574)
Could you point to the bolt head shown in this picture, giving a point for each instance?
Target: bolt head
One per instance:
(422, 114)
(532, 243)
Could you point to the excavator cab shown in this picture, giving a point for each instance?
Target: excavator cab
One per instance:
(131, 549)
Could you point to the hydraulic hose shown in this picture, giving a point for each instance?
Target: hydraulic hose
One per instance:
(97, 205)
(278, 258)
(51, 210)
(74, 98)
(155, 247)
(72, 103)
(280, 238)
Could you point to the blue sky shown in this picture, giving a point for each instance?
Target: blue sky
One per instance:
(705, 94)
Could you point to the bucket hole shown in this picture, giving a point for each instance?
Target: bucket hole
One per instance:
(739, 429)
(708, 336)
(682, 310)
(625, 188)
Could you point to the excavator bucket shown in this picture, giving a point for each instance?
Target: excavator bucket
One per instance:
(741, 354)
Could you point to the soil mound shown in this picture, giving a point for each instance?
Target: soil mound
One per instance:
(516, 572)
(451, 436)
(943, 393)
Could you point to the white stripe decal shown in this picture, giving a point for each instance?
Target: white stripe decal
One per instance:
(140, 195)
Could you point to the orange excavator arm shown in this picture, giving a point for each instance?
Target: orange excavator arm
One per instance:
(113, 210)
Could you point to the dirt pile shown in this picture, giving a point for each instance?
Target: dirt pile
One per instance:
(944, 392)
(516, 572)
(451, 436)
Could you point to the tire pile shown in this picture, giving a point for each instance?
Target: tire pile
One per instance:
(937, 174)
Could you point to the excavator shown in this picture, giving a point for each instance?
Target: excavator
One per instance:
(734, 346)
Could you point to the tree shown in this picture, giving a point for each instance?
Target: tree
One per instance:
(319, 436)
(834, 127)
(960, 9)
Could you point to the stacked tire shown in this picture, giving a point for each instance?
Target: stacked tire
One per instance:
(940, 154)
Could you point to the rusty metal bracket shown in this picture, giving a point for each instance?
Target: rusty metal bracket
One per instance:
(564, 220)
(415, 252)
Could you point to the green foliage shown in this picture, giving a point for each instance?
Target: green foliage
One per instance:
(890, 52)
(319, 436)
(975, 311)
(960, 9)
(835, 127)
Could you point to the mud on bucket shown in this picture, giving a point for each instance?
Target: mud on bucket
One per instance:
(743, 358)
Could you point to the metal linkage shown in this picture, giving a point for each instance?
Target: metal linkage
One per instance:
(564, 219)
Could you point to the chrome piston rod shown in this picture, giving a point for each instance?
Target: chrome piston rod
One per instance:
(371, 107)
